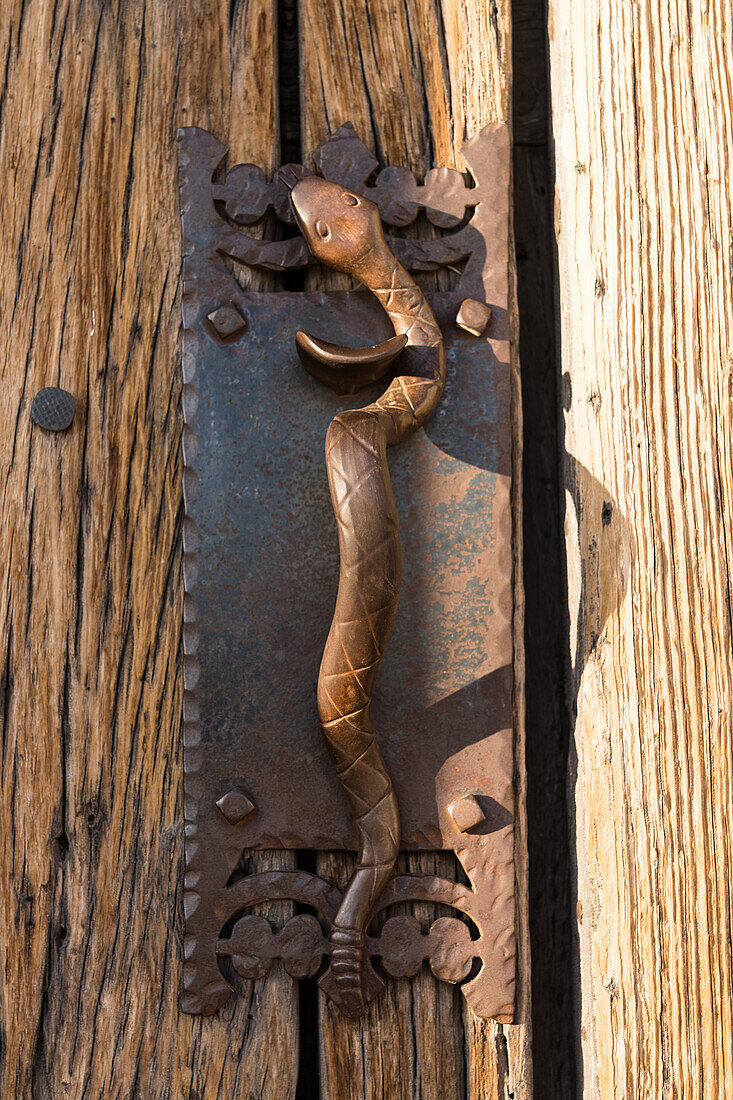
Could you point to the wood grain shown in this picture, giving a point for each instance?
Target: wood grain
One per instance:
(410, 1043)
(429, 75)
(643, 125)
(90, 611)
(91, 601)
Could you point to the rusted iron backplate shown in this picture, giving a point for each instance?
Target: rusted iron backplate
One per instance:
(267, 564)
(261, 566)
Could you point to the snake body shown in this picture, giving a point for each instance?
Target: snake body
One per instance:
(344, 231)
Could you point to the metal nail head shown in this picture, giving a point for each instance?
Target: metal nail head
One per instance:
(235, 806)
(53, 409)
(473, 316)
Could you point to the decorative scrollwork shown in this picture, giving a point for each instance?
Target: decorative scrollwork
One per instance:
(245, 196)
(449, 944)
(300, 945)
(254, 946)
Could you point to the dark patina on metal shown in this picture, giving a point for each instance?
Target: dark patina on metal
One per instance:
(53, 409)
(261, 560)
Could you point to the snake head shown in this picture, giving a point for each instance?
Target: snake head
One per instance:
(340, 228)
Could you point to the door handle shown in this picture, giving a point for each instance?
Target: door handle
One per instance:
(259, 571)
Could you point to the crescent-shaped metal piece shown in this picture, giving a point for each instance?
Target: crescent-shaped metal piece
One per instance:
(345, 369)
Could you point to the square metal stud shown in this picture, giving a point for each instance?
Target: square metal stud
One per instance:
(466, 812)
(227, 322)
(473, 316)
(235, 806)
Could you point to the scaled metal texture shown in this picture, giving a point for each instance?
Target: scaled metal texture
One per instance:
(344, 231)
(261, 561)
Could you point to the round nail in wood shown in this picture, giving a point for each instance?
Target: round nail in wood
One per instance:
(53, 409)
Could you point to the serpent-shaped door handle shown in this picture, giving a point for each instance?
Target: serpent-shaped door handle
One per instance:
(344, 231)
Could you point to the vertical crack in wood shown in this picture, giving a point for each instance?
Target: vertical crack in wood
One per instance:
(288, 82)
(552, 895)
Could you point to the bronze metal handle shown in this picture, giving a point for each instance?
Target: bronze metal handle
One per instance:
(344, 231)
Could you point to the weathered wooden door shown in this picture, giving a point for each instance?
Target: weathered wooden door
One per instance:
(92, 841)
(641, 108)
(622, 215)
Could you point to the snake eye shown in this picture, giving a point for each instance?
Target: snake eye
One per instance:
(349, 199)
(323, 230)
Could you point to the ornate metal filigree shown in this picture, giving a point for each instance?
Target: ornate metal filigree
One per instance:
(254, 777)
(245, 196)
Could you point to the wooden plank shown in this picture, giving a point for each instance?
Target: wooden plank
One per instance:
(642, 95)
(428, 75)
(410, 1043)
(415, 79)
(90, 611)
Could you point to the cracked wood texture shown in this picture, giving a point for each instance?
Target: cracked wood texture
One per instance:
(91, 832)
(417, 79)
(91, 763)
(642, 97)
